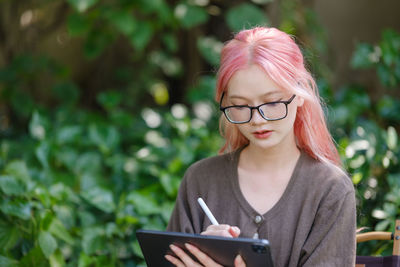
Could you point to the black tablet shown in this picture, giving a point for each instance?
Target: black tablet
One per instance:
(155, 245)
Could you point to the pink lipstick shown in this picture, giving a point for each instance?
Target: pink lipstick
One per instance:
(262, 134)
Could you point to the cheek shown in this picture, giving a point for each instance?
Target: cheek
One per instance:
(291, 117)
(241, 128)
(244, 130)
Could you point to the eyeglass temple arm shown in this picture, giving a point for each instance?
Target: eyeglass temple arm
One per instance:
(220, 101)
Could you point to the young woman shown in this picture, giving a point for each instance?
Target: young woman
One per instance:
(280, 177)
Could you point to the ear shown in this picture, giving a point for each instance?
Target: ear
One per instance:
(300, 101)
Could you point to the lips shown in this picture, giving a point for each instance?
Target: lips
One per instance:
(262, 134)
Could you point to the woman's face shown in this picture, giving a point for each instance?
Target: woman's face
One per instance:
(253, 87)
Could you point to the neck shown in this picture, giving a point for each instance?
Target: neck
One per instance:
(273, 158)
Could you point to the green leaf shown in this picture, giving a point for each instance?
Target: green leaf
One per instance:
(11, 186)
(8, 262)
(85, 260)
(66, 214)
(245, 16)
(88, 163)
(106, 137)
(100, 198)
(82, 5)
(22, 102)
(57, 229)
(69, 134)
(86, 219)
(144, 204)
(18, 208)
(357, 177)
(18, 170)
(37, 126)
(64, 193)
(170, 42)
(382, 225)
(360, 58)
(190, 16)
(109, 99)
(42, 154)
(136, 249)
(169, 183)
(47, 243)
(78, 24)
(141, 36)
(9, 236)
(386, 76)
(96, 42)
(67, 92)
(57, 259)
(390, 46)
(123, 20)
(388, 108)
(204, 89)
(34, 258)
(67, 157)
(93, 239)
(210, 48)
(46, 219)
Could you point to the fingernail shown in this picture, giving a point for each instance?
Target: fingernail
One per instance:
(172, 247)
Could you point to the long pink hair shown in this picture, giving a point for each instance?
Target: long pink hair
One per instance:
(280, 57)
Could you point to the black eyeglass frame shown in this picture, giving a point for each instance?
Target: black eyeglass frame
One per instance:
(287, 102)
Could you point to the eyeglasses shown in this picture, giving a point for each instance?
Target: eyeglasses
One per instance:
(270, 111)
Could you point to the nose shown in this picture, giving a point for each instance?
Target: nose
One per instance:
(256, 117)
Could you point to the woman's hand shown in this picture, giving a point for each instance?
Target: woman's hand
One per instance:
(184, 260)
(222, 230)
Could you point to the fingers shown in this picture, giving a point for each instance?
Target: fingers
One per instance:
(174, 261)
(184, 259)
(239, 262)
(202, 257)
(222, 230)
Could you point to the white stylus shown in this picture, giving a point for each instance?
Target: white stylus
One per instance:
(207, 211)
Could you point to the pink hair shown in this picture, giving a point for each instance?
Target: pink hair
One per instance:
(280, 57)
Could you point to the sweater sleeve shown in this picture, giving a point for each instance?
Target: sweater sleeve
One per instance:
(332, 240)
(180, 220)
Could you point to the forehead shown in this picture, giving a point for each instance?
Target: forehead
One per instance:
(252, 82)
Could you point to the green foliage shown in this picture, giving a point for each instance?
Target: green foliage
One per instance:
(367, 134)
(384, 57)
(80, 188)
(190, 15)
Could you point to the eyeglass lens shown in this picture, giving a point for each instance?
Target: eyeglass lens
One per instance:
(269, 111)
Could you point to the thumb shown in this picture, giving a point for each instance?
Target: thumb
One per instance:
(239, 262)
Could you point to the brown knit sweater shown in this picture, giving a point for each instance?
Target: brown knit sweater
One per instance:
(313, 223)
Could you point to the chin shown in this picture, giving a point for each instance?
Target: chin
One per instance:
(269, 143)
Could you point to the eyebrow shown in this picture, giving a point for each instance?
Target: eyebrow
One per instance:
(264, 95)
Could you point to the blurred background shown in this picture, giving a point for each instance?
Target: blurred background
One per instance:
(105, 103)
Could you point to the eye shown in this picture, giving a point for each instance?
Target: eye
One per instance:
(236, 103)
(274, 104)
(239, 107)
